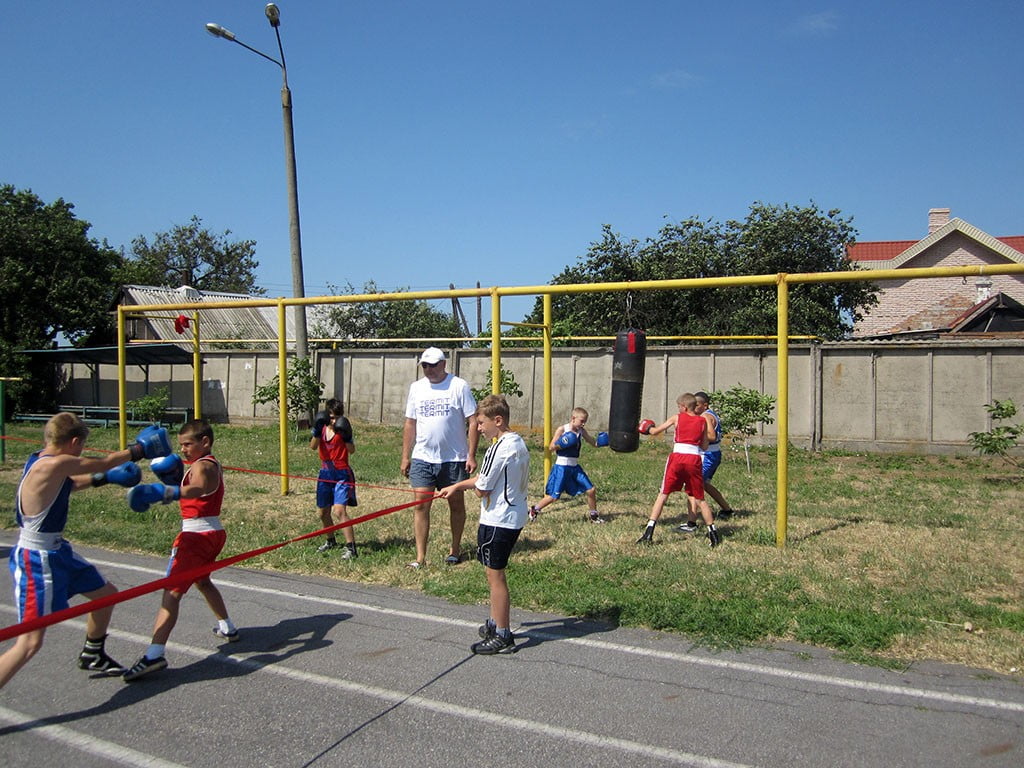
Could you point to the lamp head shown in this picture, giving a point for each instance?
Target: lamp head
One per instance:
(218, 31)
(273, 14)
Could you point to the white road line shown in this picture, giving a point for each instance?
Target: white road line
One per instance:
(738, 666)
(389, 697)
(83, 743)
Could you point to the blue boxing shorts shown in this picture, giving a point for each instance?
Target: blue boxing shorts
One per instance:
(45, 579)
(571, 480)
(336, 488)
(711, 461)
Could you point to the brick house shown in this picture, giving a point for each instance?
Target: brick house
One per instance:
(914, 306)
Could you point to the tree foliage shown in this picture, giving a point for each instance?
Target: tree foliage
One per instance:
(1002, 438)
(740, 410)
(54, 280)
(770, 240)
(410, 318)
(191, 254)
(304, 390)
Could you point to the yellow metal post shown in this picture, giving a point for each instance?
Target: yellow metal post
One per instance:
(197, 369)
(782, 439)
(495, 343)
(122, 385)
(547, 382)
(282, 376)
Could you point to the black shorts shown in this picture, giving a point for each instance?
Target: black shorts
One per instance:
(494, 545)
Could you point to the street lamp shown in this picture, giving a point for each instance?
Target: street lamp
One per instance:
(298, 286)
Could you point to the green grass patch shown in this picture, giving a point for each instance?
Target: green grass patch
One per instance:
(887, 556)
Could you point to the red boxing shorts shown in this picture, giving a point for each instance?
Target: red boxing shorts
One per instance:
(684, 470)
(192, 550)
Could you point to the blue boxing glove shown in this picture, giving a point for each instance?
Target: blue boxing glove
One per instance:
(568, 440)
(142, 496)
(151, 443)
(343, 427)
(169, 469)
(322, 420)
(126, 475)
(602, 439)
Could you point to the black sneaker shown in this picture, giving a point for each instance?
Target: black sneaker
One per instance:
(713, 539)
(98, 661)
(349, 553)
(327, 546)
(647, 538)
(486, 630)
(143, 667)
(687, 527)
(493, 645)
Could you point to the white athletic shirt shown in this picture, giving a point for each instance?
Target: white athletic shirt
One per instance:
(504, 474)
(440, 411)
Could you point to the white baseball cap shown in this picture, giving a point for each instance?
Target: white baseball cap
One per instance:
(432, 356)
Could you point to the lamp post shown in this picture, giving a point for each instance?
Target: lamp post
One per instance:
(298, 286)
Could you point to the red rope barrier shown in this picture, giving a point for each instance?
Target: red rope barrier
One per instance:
(187, 577)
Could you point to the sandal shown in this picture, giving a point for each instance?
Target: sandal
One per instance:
(414, 565)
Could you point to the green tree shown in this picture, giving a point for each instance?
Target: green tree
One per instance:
(304, 390)
(772, 239)
(54, 279)
(740, 410)
(411, 318)
(192, 255)
(1002, 438)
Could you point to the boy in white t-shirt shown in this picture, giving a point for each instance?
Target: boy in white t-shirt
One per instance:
(502, 487)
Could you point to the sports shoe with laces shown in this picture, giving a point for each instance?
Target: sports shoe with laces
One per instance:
(494, 644)
(327, 546)
(713, 538)
(143, 667)
(487, 629)
(231, 637)
(99, 662)
(687, 527)
(349, 553)
(647, 537)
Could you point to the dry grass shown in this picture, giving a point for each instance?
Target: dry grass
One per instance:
(887, 556)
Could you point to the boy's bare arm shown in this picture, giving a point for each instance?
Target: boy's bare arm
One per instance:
(204, 477)
(588, 437)
(668, 423)
(462, 485)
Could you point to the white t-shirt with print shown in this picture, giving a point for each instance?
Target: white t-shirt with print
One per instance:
(440, 411)
(504, 475)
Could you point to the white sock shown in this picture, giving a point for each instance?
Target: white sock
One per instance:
(226, 626)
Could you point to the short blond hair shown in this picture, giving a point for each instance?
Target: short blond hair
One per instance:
(577, 411)
(687, 401)
(493, 406)
(64, 427)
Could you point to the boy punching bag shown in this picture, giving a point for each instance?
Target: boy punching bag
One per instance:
(627, 388)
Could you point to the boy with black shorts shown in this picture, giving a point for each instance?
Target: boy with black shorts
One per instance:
(502, 487)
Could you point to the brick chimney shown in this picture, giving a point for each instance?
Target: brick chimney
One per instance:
(937, 218)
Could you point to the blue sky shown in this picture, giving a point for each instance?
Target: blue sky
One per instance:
(457, 142)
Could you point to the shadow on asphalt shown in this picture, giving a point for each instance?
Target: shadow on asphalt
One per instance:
(280, 641)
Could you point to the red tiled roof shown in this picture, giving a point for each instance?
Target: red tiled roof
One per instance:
(884, 250)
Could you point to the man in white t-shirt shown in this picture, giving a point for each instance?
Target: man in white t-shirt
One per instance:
(439, 443)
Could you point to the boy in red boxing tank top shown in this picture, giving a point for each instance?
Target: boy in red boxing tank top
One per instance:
(200, 492)
(684, 467)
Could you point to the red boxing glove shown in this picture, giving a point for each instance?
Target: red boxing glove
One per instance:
(645, 427)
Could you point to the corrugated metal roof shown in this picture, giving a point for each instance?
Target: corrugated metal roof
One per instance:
(246, 324)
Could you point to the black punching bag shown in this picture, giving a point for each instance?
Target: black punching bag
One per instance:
(627, 389)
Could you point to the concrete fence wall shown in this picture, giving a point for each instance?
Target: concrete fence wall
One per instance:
(920, 397)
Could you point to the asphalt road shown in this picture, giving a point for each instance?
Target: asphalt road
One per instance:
(330, 673)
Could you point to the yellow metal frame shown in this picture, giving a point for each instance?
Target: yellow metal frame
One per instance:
(782, 281)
